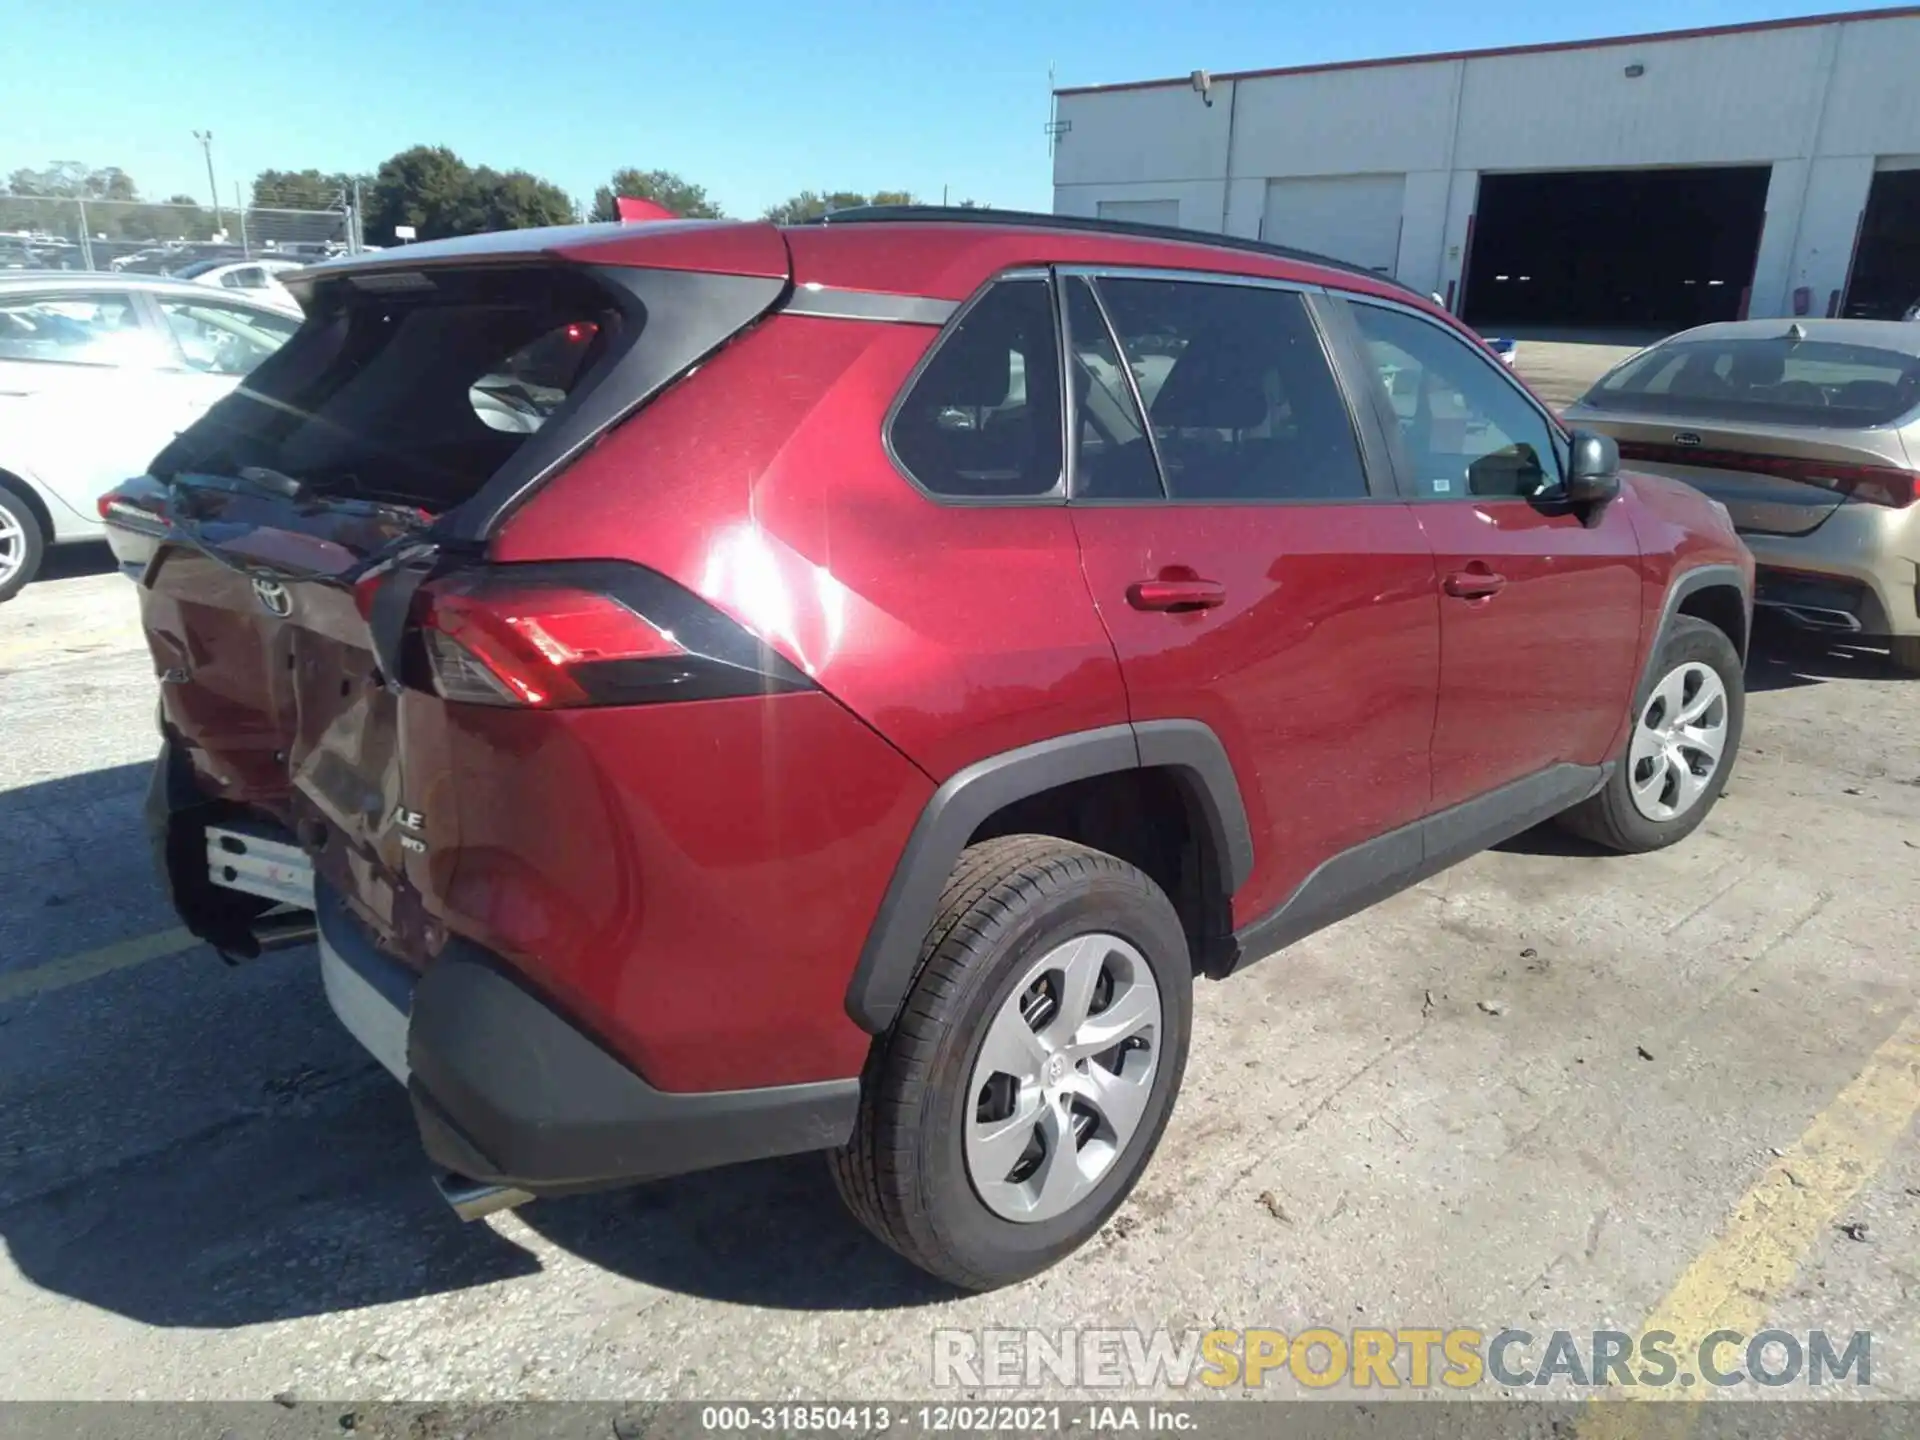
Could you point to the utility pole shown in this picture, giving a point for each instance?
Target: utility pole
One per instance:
(205, 137)
(240, 209)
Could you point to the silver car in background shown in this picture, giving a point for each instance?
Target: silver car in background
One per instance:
(1808, 431)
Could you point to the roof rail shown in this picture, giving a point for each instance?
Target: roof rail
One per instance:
(975, 215)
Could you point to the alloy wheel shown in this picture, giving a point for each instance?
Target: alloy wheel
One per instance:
(1063, 1078)
(1678, 740)
(13, 546)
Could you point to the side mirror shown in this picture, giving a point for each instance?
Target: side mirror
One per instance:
(1593, 474)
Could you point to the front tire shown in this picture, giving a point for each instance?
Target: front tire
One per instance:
(22, 546)
(1031, 1071)
(1684, 737)
(1906, 653)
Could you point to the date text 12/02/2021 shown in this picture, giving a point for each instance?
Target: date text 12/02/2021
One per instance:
(944, 1419)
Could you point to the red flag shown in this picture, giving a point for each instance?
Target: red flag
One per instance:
(631, 209)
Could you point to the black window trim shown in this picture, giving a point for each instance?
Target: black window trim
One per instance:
(1377, 470)
(1383, 405)
(1063, 277)
(1055, 496)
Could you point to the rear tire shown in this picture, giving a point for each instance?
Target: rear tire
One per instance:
(952, 1161)
(1663, 784)
(22, 546)
(1906, 653)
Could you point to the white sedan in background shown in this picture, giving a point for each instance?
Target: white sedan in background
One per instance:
(98, 372)
(259, 277)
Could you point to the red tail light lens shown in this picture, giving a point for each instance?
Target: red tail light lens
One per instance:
(549, 636)
(1875, 484)
(144, 513)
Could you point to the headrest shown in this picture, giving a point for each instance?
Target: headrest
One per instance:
(1209, 388)
(1756, 366)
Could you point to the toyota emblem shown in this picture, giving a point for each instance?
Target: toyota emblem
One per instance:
(273, 597)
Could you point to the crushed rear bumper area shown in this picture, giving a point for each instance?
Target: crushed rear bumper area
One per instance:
(509, 1093)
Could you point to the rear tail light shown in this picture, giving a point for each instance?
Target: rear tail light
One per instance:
(132, 511)
(598, 633)
(1875, 484)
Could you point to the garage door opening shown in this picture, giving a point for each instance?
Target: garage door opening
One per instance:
(1886, 267)
(1615, 249)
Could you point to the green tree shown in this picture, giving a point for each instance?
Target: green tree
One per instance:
(72, 179)
(514, 200)
(423, 187)
(302, 189)
(439, 194)
(663, 187)
(811, 204)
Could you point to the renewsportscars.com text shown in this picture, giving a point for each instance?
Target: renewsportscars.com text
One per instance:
(1416, 1357)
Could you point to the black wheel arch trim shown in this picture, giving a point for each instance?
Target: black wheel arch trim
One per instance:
(1188, 749)
(1691, 581)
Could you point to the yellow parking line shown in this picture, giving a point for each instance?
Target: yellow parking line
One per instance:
(1735, 1281)
(91, 964)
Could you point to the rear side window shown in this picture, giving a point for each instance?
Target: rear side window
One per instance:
(1239, 394)
(1765, 380)
(983, 418)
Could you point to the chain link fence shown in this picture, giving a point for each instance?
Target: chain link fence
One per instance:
(66, 233)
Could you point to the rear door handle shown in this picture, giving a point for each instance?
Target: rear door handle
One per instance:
(1476, 582)
(1176, 595)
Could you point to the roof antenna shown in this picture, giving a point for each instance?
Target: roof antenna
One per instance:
(1796, 332)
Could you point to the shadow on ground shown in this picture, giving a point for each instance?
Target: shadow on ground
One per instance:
(188, 1144)
(1785, 657)
(67, 562)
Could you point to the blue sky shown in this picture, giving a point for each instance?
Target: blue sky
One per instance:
(755, 99)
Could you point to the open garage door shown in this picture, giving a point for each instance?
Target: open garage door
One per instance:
(1615, 249)
(1886, 266)
(1355, 218)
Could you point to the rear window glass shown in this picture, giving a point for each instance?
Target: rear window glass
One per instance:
(1771, 380)
(416, 396)
(983, 419)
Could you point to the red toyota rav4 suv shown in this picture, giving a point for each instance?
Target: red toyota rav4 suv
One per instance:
(722, 691)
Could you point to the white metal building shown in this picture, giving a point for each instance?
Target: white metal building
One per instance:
(1641, 181)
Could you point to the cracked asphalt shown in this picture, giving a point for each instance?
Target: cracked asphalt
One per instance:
(1532, 1092)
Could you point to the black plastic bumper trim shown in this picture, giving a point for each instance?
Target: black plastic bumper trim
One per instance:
(506, 1090)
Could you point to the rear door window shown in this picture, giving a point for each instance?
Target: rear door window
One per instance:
(1766, 380)
(1239, 394)
(982, 420)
